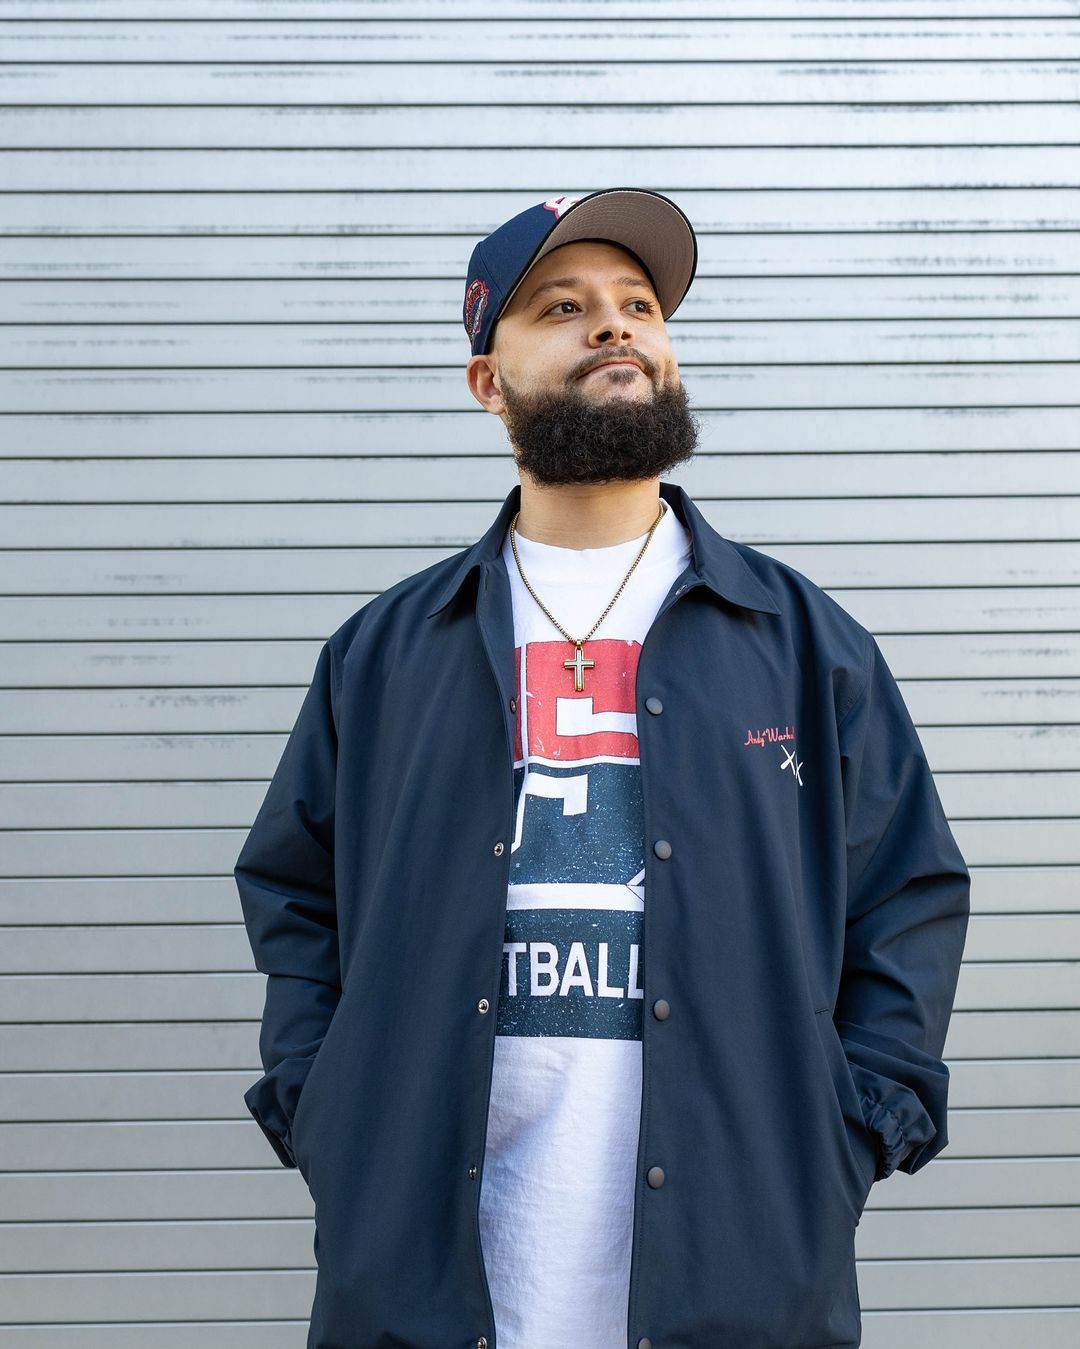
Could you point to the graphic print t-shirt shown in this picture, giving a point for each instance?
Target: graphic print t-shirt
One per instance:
(557, 1195)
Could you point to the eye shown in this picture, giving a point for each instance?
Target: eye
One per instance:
(650, 308)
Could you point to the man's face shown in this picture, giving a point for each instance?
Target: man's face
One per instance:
(582, 373)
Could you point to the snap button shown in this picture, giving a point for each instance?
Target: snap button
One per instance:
(513, 704)
(661, 1010)
(644, 1343)
(662, 848)
(654, 705)
(472, 1172)
(481, 1343)
(498, 849)
(483, 1005)
(655, 1176)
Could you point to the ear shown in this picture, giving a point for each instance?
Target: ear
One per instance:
(482, 377)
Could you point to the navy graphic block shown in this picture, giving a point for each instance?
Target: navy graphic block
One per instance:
(587, 826)
(572, 972)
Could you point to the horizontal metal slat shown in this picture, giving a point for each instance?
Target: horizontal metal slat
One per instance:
(276, 1192)
(821, 10)
(208, 1045)
(287, 1243)
(576, 81)
(396, 169)
(881, 249)
(895, 1285)
(386, 345)
(983, 986)
(955, 384)
(170, 1096)
(193, 947)
(1040, 887)
(976, 751)
(178, 852)
(627, 125)
(456, 525)
(1048, 610)
(102, 803)
(211, 1144)
(405, 434)
(577, 39)
(432, 300)
(359, 570)
(447, 478)
(953, 206)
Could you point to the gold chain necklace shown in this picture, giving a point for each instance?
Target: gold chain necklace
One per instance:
(578, 663)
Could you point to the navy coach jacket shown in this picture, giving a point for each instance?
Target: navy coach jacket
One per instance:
(803, 931)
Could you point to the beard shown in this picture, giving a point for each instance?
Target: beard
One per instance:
(563, 437)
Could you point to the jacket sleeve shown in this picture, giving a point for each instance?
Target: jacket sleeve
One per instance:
(285, 876)
(907, 915)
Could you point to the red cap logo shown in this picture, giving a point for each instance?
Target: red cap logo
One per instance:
(475, 301)
(559, 204)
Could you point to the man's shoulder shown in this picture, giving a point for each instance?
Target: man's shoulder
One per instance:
(822, 631)
(792, 589)
(407, 601)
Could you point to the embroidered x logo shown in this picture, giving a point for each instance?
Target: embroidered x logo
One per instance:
(794, 763)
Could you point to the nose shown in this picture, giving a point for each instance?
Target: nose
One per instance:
(612, 326)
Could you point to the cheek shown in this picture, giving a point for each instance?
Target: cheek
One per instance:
(669, 368)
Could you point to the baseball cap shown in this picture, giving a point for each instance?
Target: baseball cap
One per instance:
(646, 223)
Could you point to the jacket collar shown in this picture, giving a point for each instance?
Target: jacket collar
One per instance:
(714, 559)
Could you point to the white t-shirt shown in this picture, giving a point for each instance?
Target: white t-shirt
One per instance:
(557, 1196)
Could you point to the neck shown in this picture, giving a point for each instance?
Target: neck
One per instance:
(587, 515)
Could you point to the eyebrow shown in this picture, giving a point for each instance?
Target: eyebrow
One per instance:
(573, 282)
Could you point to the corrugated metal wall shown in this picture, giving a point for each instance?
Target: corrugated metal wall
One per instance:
(232, 253)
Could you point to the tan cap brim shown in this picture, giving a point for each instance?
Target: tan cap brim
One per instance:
(648, 224)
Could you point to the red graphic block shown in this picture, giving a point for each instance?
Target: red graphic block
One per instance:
(601, 719)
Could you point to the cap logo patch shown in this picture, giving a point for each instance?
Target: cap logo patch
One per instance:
(559, 205)
(475, 301)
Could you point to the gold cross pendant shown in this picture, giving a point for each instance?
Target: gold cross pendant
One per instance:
(579, 665)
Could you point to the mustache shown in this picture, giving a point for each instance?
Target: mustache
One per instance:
(620, 354)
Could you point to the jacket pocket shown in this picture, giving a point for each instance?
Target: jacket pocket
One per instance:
(298, 1129)
(862, 1143)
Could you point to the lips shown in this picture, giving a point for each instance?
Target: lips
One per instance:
(606, 364)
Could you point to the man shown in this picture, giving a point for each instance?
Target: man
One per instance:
(610, 916)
